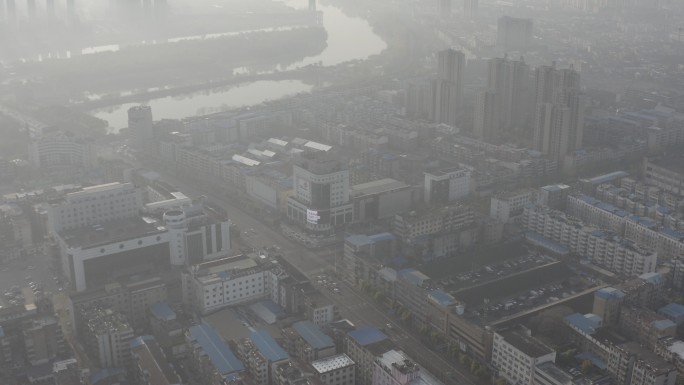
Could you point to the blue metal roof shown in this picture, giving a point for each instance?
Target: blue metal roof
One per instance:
(586, 324)
(382, 237)
(547, 243)
(590, 200)
(601, 179)
(412, 275)
(368, 335)
(313, 335)
(672, 310)
(672, 233)
(654, 278)
(609, 293)
(106, 373)
(274, 308)
(140, 340)
(163, 311)
(663, 324)
(444, 299)
(358, 240)
(267, 346)
(219, 353)
(643, 221)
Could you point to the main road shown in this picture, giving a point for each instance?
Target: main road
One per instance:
(351, 303)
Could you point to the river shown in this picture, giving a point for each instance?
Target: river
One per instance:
(349, 39)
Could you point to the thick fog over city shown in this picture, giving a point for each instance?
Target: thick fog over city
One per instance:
(341, 192)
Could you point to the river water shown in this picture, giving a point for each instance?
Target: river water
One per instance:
(349, 39)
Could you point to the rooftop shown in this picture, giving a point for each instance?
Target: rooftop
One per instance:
(413, 276)
(663, 324)
(672, 310)
(367, 335)
(152, 361)
(525, 343)
(609, 293)
(312, 335)
(442, 298)
(584, 323)
(555, 187)
(446, 171)
(245, 160)
(163, 311)
(651, 359)
(267, 346)
(606, 178)
(653, 278)
(111, 231)
(218, 351)
(674, 163)
(331, 363)
(553, 371)
(377, 186)
(399, 360)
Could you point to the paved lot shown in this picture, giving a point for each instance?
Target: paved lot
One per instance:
(30, 269)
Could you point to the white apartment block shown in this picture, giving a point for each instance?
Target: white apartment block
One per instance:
(515, 354)
(452, 218)
(645, 232)
(94, 205)
(395, 368)
(107, 337)
(448, 185)
(58, 149)
(225, 282)
(335, 370)
(613, 253)
(506, 206)
(666, 173)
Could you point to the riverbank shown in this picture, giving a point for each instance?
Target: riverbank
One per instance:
(184, 62)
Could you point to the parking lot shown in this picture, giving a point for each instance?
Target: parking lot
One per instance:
(495, 271)
(34, 273)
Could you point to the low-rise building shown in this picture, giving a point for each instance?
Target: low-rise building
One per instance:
(515, 354)
(211, 356)
(107, 335)
(150, 366)
(43, 339)
(132, 297)
(261, 353)
(167, 330)
(616, 254)
(213, 285)
(381, 199)
(548, 373)
(307, 342)
(335, 370)
(447, 185)
(363, 346)
(395, 368)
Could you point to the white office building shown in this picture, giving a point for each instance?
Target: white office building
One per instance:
(447, 185)
(321, 192)
(95, 205)
(230, 281)
(505, 206)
